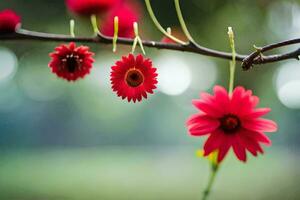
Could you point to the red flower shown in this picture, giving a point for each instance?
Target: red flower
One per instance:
(90, 7)
(128, 14)
(176, 33)
(132, 77)
(9, 21)
(165, 39)
(231, 121)
(71, 62)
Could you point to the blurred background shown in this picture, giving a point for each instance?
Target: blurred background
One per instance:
(61, 140)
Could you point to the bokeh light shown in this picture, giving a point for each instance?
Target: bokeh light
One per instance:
(174, 74)
(8, 65)
(286, 80)
(36, 79)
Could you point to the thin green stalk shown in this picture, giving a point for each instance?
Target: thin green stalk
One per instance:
(137, 39)
(157, 24)
(233, 62)
(72, 28)
(95, 24)
(116, 31)
(211, 180)
(182, 22)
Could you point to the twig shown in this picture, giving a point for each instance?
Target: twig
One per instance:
(22, 34)
(258, 58)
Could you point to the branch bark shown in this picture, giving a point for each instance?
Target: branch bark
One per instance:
(257, 56)
(248, 60)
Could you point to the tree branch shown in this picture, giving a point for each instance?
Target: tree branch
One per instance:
(248, 61)
(257, 56)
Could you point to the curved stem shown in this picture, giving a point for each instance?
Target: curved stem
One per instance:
(157, 24)
(182, 22)
(95, 24)
(210, 182)
(137, 39)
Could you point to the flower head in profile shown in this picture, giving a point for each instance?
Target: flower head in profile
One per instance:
(9, 21)
(70, 62)
(90, 7)
(128, 13)
(133, 77)
(231, 120)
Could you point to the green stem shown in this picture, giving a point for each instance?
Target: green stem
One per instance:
(182, 22)
(116, 31)
(231, 75)
(72, 28)
(210, 181)
(157, 24)
(137, 39)
(233, 62)
(94, 24)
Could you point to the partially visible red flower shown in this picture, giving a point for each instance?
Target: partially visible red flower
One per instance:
(133, 77)
(128, 13)
(176, 33)
(231, 120)
(71, 62)
(9, 21)
(90, 7)
(166, 39)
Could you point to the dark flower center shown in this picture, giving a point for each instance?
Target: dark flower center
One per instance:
(134, 77)
(230, 123)
(72, 63)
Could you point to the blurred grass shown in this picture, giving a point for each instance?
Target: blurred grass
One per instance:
(142, 173)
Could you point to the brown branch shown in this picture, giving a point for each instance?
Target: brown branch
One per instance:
(248, 61)
(257, 56)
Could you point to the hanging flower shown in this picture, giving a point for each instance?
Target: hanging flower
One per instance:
(231, 121)
(90, 7)
(133, 78)
(128, 13)
(9, 21)
(71, 62)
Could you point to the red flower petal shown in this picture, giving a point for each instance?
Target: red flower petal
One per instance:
(223, 150)
(9, 21)
(222, 98)
(242, 101)
(257, 136)
(207, 107)
(233, 121)
(71, 62)
(250, 143)
(239, 150)
(260, 125)
(214, 141)
(133, 77)
(259, 112)
(128, 13)
(90, 7)
(200, 124)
